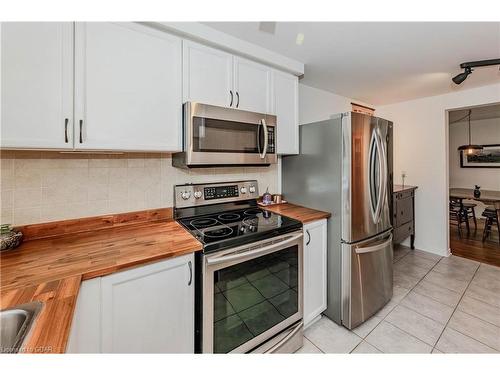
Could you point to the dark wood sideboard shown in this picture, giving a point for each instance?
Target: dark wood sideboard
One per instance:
(403, 213)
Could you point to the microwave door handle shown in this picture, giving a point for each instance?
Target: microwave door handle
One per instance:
(266, 138)
(258, 138)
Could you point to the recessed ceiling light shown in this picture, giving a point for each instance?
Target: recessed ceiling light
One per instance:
(300, 39)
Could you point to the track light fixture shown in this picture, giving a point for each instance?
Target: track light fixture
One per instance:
(467, 66)
(459, 78)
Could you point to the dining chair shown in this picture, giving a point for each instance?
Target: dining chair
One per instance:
(469, 211)
(457, 216)
(490, 213)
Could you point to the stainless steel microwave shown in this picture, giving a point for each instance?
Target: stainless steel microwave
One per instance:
(218, 136)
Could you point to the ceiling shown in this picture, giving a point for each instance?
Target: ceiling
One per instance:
(380, 62)
(477, 113)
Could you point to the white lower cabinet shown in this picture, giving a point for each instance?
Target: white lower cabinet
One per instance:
(148, 309)
(315, 250)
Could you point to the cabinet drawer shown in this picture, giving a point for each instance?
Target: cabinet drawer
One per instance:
(402, 232)
(404, 194)
(403, 211)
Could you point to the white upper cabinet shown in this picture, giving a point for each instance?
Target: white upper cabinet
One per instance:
(37, 85)
(207, 75)
(252, 84)
(286, 108)
(128, 88)
(215, 77)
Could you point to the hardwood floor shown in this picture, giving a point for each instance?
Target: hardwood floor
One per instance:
(471, 246)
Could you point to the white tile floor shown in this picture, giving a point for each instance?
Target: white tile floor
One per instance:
(440, 305)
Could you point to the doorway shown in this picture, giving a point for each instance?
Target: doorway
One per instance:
(474, 182)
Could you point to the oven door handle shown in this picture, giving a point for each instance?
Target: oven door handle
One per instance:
(230, 257)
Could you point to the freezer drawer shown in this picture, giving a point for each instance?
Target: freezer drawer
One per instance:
(367, 278)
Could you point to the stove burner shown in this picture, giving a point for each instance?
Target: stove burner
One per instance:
(217, 233)
(262, 221)
(252, 211)
(227, 217)
(203, 222)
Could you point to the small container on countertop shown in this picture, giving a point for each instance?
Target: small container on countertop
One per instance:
(10, 239)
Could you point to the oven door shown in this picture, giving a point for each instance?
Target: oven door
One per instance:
(252, 294)
(225, 136)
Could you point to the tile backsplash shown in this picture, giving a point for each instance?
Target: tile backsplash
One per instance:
(47, 186)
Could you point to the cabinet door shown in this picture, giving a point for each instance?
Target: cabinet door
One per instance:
(37, 85)
(149, 309)
(252, 85)
(286, 109)
(128, 94)
(85, 334)
(207, 75)
(315, 249)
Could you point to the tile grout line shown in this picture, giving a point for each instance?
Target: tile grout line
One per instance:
(477, 317)
(397, 304)
(317, 347)
(408, 333)
(455, 309)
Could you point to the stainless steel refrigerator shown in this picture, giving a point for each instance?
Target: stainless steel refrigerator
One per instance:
(345, 167)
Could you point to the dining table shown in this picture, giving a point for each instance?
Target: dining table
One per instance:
(489, 197)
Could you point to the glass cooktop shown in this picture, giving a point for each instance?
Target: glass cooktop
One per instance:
(233, 228)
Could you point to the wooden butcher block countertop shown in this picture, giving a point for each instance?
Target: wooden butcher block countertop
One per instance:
(51, 269)
(300, 213)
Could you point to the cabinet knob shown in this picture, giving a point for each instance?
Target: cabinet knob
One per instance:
(308, 237)
(231, 92)
(238, 99)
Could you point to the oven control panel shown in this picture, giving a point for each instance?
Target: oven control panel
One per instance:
(219, 192)
(189, 195)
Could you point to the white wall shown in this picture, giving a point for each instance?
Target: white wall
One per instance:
(421, 149)
(317, 105)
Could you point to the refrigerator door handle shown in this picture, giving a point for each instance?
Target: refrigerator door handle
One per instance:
(377, 247)
(376, 150)
(371, 179)
(385, 173)
(382, 190)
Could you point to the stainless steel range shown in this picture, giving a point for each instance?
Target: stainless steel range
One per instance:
(249, 275)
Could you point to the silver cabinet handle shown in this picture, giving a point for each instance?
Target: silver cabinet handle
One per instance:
(266, 139)
(308, 237)
(238, 99)
(190, 265)
(81, 129)
(371, 249)
(66, 130)
(253, 253)
(231, 92)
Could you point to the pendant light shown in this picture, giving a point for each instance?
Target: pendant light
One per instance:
(470, 148)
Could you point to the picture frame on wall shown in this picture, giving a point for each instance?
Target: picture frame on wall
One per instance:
(488, 157)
